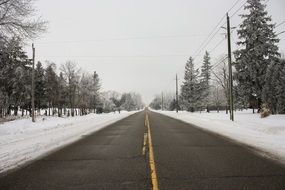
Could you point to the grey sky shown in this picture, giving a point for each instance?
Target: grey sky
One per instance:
(136, 45)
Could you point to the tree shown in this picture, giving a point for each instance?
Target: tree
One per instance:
(190, 87)
(16, 19)
(127, 102)
(108, 100)
(221, 78)
(280, 88)
(95, 91)
(138, 103)
(85, 93)
(62, 94)
(257, 41)
(116, 99)
(40, 90)
(13, 72)
(205, 80)
(273, 90)
(156, 103)
(71, 75)
(52, 89)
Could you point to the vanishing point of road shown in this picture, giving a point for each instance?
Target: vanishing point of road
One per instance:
(149, 151)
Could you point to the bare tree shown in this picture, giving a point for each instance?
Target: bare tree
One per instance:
(221, 77)
(71, 75)
(17, 18)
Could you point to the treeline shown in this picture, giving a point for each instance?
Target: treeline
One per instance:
(66, 90)
(165, 101)
(115, 101)
(58, 91)
(259, 71)
(54, 92)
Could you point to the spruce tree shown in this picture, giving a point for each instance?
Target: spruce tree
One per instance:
(39, 86)
(51, 82)
(62, 94)
(280, 89)
(274, 89)
(95, 95)
(257, 41)
(13, 68)
(189, 89)
(205, 80)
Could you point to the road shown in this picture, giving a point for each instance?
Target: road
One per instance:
(149, 152)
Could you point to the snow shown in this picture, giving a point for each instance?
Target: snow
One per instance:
(22, 141)
(267, 135)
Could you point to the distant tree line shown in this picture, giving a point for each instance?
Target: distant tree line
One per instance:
(164, 102)
(114, 101)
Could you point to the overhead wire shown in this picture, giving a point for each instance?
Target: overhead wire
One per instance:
(214, 32)
(119, 39)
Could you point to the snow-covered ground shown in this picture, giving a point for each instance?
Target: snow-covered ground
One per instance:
(265, 134)
(22, 141)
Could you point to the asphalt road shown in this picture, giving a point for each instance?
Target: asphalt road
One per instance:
(184, 158)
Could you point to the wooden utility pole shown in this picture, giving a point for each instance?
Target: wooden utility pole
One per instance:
(33, 85)
(230, 69)
(177, 101)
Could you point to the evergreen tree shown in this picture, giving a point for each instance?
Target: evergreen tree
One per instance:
(205, 81)
(258, 48)
(95, 94)
(14, 67)
(40, 87)
(51, 82)
(280, 88)
(62, 94)
(273, 91)
(189, 89)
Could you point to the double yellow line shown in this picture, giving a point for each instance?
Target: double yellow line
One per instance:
(147, 138)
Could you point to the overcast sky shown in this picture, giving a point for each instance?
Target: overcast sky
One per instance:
(137, 45)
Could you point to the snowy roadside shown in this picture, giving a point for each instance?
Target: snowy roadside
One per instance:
(22, 141)
(267, 134)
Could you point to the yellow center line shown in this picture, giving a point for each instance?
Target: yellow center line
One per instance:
(144, 143)
(151, 156)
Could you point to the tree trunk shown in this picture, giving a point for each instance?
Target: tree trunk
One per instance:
(16, 111)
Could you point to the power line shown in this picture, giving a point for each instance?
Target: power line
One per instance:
(121, 39)
(280, 24)
(218, 63)
(242, 6)
(234, 5)
(216, 46)
(212, 34)
(115, 56)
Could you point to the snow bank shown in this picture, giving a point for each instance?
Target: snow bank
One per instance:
(22, 141)
(266, 134)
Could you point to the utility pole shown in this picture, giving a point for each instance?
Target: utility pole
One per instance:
(161, 100)
(230, 69)
(177, 103)
(33, 85)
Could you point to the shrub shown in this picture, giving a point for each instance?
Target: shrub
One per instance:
(265, 110)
